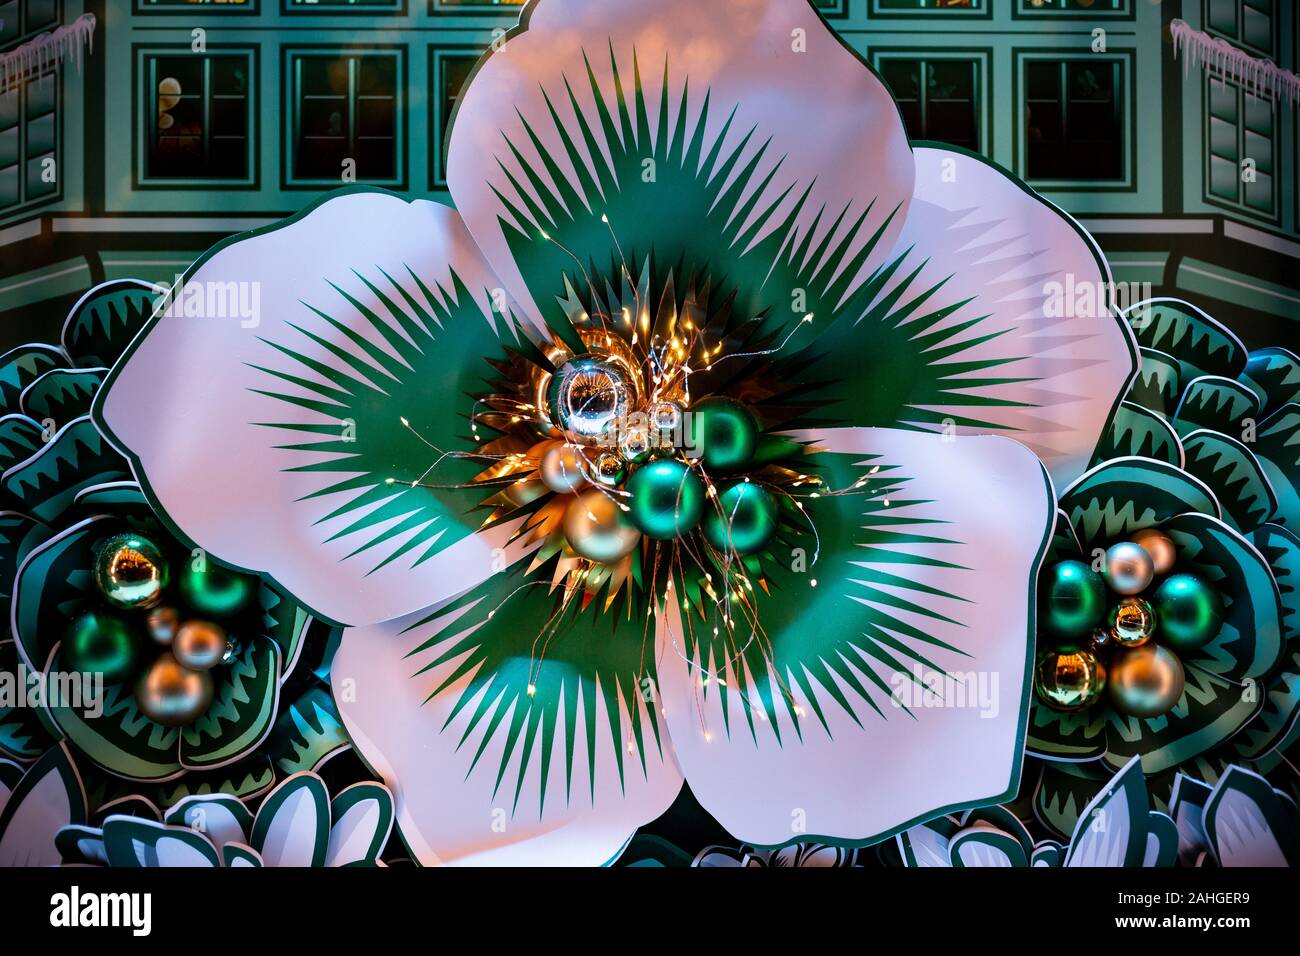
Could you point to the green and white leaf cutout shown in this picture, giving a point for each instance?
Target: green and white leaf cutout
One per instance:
(984, 846)
(1277, 446)
(1158, 386)
(48, 797)
(132, 842)
(76, 457)
(1202, 345)
(1217, 403)
(362, 818)
(106, 318)
(61, 394)
(1187, 809)
(1281, 711)
(220, 818)
(943, 323)
(1112, 830)
(1064, 789)
(20, 438)
(293, 823)
(10, 774)
(238, 855)
(21, 733)
(1234, 474)
(1249, 824)
(21, 366)
(1048, 853)
(296, 426)
(1274, 374)
(307, 732)
(1138, 431)
(927, 844)
(1162, 841)
(1125, 495)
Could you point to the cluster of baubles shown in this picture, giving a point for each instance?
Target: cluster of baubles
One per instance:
(163, 638)
(1119, 633)
(634, 467)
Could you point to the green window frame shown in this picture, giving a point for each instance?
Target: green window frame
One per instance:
(29, 136)
(345, 103)
(1058, 94)
(449, 68)
(1033, 9)
(458, 7)
(1251, 24)
(175, 8)
(336, 7)
(929, 9)
(930, 113)
(213, 96)
(23, 19)
(1241, 126)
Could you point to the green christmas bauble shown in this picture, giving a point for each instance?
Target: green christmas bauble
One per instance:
(667, 499)
(1073, 600)
(743, 520)
(725, 432)
(130, 571)
(213, 590)
(101, 643)
(1190, 612)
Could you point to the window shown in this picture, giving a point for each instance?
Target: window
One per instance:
(1072, 6)
(20, 19)
(346, 110)
(938, 98)
(924, 6)
(1074, 119)
(344, 6)
(451, 68)
(199, 116)
(196, 6)
(29, 140)
(1246, 22)
(468, 6)
(1241, 148)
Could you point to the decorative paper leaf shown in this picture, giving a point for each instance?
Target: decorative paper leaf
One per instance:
(221, 818)
(1158, 383)
(236, 855)
(363, 819)
(131, 842)
(1187, 808)
(1274, 375)
(1277, 446)
(1124, 495)
(1112, 830)
(293, 824)
(21, 366)
(984, 846)
(1202, 345)
(48, 797)
(1281, 549)
(1162, 841)
(928, 843)
(78, 456)
(1234, 474)
(106, 318)
(1219, 404)
(22, 734)
(307, 731)
(1249, 824)
(1063, 790)
(20, 438)
(1137, 431)
(61, 394)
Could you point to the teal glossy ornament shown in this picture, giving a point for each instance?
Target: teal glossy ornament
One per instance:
(215, 591)
(1073, 600)
(130, 571)
(1132, 622)
(1190, 612)
(743, 519)
(725, 433)
(97, 642)
(667, 499)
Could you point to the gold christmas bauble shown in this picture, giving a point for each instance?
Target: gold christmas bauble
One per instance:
(1161, 548)
(173, 695)
(199, 645)
(1145, 681)
(562, 470)
(1069, 679)
(130, 571)
(163, 623)
(1132, 622)
(598, 529)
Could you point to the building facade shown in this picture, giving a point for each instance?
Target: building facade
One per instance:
(195, 119)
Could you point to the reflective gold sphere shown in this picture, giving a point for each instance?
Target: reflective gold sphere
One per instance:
(130, 571)
(1160, 546)
(1132, 622)
(173, 695)
(199, 645)
(163, 623)
(1069, 679)
(562, 469)
(598, 529)
(1145, 681)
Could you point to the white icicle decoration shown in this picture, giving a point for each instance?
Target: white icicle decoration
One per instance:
(47, 50)
(1261, 77)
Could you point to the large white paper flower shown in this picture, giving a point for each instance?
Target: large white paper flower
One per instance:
(652, 151)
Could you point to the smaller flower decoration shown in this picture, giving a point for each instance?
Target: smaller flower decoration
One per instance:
(1119, 633)
(297, 825)
(794, 856)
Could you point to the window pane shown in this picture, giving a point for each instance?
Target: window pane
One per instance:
(199, 117)
(347, 109)
(1074, 121)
